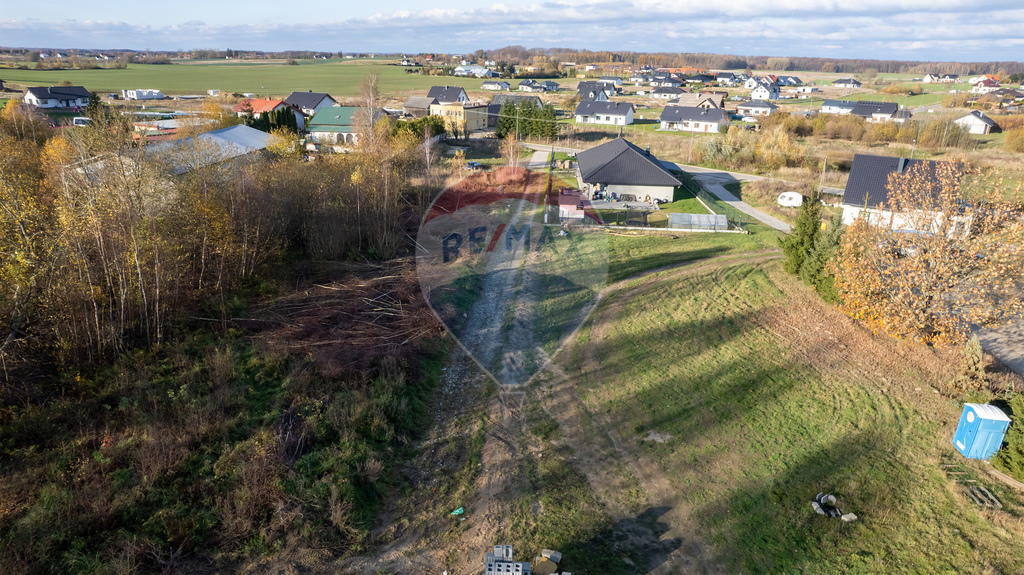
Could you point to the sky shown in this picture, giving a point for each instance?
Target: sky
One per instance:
(926, 30)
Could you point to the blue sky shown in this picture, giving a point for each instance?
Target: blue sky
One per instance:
(936, 30)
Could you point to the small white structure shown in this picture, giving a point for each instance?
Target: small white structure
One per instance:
(790, 200)
(142, 94)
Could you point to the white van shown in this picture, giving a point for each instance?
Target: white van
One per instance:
(81, 121)
(790, 200)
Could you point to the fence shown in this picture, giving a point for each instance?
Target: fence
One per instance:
(736, 218)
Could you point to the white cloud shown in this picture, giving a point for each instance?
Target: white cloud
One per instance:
(965, 30)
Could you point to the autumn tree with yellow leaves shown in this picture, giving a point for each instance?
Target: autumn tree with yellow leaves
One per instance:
(945, 253)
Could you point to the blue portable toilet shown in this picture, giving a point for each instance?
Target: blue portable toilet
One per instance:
(981, 431)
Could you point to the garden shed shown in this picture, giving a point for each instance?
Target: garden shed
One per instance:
(981, 431)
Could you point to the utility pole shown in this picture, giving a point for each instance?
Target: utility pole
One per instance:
(821, 182)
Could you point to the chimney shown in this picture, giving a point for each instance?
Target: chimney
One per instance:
(648, 151)
(902, 164)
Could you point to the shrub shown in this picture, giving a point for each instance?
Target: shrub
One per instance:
(1015, 140)
(1011, 458)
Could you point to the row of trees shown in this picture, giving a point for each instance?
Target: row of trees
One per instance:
(526, 120)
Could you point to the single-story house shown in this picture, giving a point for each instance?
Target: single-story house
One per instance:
(666, 82)
(931, 78)
(985, 86)
(258, 107)
(448, 94)
(531, 85)
(611, 113)
(57, 97)
(725, 78)
(756, 108)
(590, 89)
(875, 111)
(846, 83)
(499, 85)
(867, 190)
(693, 119)
(622, 168)
(789, 81)
(418, 106)
(333, 125)
(310, 102)
(616, 80)
(471, 70)
(142, 94)
(549, 85)
(753, 82)
(667, 93)
(806, 89)
(977, 123)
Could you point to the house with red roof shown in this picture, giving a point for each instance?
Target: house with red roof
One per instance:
(259, 106)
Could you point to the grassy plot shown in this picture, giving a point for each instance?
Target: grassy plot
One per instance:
(757, 430)
(630, 255)
(338, 78)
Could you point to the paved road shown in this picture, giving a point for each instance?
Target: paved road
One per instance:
(539, 160)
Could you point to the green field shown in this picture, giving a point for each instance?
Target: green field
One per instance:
(758, 426)
(340, 78)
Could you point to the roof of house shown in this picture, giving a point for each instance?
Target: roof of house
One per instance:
(494, 82)
(419, 102)
(978, 116)
(715, 100)
(308, 100)
(59, 92)
(846, 81)
(692, 114)
(226, 143)
(868, 185)
(621, 162)
(757, 104)
(668, 90)
(839, 104)
(516, 99)
(258, 106)
(446, 93)
(332, 119)
(866, 109)
(611, 78)
(591, 107)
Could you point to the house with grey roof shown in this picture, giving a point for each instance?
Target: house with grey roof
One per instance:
(448, 94)
(310, 102)
(840, 107)
(620, 167)
(591, 90)
(756, 108)
(610, 113)
(846, 83)
(977, 123)
(418, 106)
(693, 119)
(867, 190)
(667, 93)
(875, 111)
(497, 85)
(614, 80)
(57, 97)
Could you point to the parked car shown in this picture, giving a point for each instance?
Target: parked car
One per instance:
(474, 166)
(81, 121)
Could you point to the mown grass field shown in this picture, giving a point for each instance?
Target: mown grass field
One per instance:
(340, 78)
(758, 427)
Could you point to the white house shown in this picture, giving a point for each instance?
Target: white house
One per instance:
(609, 113)
(841, 107)
(765, 92)
(448, 94)
(753, 82)
(846, 83)
(985, 86)
(666, 93)
(309, 102)
(58, 97)
(141, 94)
(497, 85)
(867, 192)
(693, 119)
(756, 108)
(471, 70)
(611, 80)
(977, 123)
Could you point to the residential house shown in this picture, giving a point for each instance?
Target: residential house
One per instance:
(418, 106)
(985, 86)
(771, 79)
(667, 93)
(693, 119)
(620, 167)
(310, 102)
(499, 85)
(717, 96)
(875, 111)
(57, 97)
(789, 81)
(846, 83)
(931, 78)
(841, 107)
(460, 117)
(977, 123)
(867, 190)
(595, 90)
(756, 108)
(616, 80)
(950, 78)
(531, 85)
(472, 70)
(753, 82)
(806, 89)
(610, 113)
(639, 78)
(261, 106)
(976, 79)
(590, 67)
(698, 101)
(332, 125)
(666, 82)
(448, 94)
(725, 78)
(700, 79)
(765, 92)
(549, 86)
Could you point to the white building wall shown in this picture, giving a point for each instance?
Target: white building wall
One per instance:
(643, 192)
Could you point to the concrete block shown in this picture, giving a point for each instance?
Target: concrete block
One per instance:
(552, 555)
